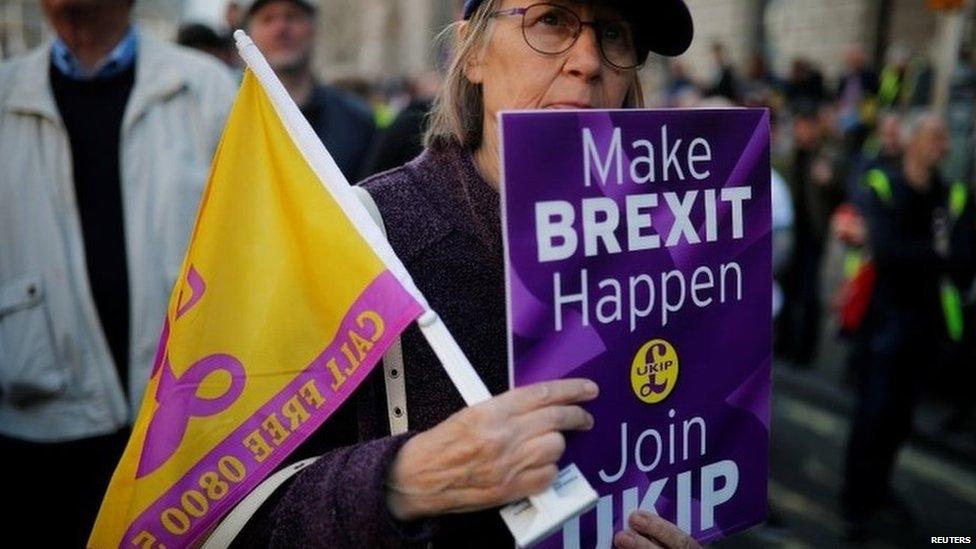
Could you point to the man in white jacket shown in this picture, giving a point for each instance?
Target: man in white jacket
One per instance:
(106, 138)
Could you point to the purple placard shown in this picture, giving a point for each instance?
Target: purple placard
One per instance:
(638, 254)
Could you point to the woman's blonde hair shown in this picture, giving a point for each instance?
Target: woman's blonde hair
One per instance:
(457, 115)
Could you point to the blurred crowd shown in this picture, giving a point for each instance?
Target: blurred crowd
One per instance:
(869, 168)
(863, 163)
(375, 126)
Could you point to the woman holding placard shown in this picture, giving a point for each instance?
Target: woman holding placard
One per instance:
(440, 482)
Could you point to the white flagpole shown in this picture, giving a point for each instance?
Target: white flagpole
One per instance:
(549, 509)
(458, 367)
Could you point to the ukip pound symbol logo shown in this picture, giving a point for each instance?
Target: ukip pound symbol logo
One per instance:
(654, 371)
(178, 397)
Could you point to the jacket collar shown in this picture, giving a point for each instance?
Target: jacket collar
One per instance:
(31, 87)
(472, 205)
(117, 61)
(157, 78)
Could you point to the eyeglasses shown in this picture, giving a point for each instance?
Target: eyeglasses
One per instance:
(552, 29)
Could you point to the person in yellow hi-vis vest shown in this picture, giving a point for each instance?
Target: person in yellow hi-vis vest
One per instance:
(921, 237)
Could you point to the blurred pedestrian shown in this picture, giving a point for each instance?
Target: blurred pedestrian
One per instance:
(883, 147)
(894, 80)
(761, 86)
(234, 13)
(284, 31)
(905, 80)
(961, 114)
(857, 93)
(816, 177)
(201, 37)
(961, 376)
(959, 166)
(726, 82)
(920, 234)
(782, 208)
(106, 136)
(403, 139)
(678, 82)
(805, 85)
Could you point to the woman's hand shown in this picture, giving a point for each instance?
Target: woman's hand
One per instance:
(487, 455)
(649, 531)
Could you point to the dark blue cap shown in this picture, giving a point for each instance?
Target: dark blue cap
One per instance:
(665, 26)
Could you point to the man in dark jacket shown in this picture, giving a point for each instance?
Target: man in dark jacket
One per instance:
(403, 139)
(921, 236)
(284, 30)
(856, 98)
(805, 84)
(726, 82)
(816, 178)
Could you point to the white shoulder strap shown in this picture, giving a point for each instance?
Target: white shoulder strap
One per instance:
(234, 522)
(396, 390)
(396, 402)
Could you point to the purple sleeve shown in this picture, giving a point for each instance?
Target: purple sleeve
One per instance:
(340, 501)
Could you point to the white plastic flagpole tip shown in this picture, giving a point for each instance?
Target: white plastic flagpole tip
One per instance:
(242, 38)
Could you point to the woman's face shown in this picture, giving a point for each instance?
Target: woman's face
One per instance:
(514, 76)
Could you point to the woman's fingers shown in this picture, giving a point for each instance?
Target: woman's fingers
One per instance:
(627, 539)
(542, 450)
(547, 393)
(663, 532)
(535, 480)
(490, 454)
(553, 418)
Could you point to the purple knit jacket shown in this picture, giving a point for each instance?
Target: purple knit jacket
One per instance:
(443, 221)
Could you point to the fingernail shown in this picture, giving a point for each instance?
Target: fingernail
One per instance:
(642, 517)
(590, 421)
(591, 389)
(626, 539)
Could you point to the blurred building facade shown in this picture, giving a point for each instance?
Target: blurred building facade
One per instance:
(21, 26)
(370, 39)
(382, 39)
(820, 31)
(379, 39)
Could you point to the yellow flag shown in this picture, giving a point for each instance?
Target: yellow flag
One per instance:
(282, 309)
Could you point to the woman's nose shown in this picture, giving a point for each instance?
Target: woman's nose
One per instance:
(584, 57)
